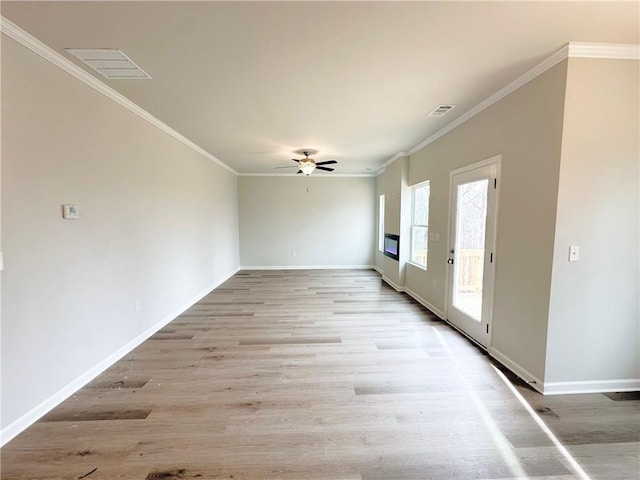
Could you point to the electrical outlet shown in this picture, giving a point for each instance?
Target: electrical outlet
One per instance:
(435, 283)
(293, 253)
(574, 253)
(138, 305)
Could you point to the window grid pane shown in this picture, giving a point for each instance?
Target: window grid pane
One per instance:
(420, 224)
(419, 237)
(381, 223)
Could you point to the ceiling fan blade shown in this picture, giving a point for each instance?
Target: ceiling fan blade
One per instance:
(288, 166)
(327, 169)
(299, 171)
(295, 160)
(327, 162)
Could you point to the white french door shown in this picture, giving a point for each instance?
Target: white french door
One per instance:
(471, 262)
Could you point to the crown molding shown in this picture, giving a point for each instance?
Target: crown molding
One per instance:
(539, 69)
(390, 161)
(615, 51)
(394, 158)
(13, 31)
(570, 50)
(321, 175)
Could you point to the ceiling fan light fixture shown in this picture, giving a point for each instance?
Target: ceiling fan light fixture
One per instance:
(307, 165)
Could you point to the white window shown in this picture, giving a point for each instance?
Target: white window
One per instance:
(381, 223)
(419, 223)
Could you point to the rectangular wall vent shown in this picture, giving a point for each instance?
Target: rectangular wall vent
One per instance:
(440, 110)
(111, 64)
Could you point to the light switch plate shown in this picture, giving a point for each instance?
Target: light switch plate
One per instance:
(574, 253)
(70, 211)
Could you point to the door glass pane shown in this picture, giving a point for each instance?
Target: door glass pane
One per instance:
(471, 222)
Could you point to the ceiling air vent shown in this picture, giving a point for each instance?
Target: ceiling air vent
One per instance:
(112, 64)
(441, 110)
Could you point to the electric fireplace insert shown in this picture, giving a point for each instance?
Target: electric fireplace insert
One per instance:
(392, 246)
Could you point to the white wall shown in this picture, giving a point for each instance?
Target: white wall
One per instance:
(569, 142)
(327, 221)
(594, 312)
(393, 183)
(526, 128)
(158, 223)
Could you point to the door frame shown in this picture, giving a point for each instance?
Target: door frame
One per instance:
(497, 161)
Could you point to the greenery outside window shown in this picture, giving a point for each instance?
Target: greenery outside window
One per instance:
(381, 223)
(420, 223)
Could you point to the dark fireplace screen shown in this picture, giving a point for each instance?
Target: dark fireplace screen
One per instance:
(392, 246)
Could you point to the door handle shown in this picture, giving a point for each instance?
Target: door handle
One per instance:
(450, 261)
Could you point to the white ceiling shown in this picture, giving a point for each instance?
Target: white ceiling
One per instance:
(253, 82)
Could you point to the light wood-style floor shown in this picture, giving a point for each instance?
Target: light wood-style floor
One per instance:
(312, 375)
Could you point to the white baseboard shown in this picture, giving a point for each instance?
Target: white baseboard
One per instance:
(308, 267)
(27, 419)
(563, 388)
(439, 313)
(377, 269)
(592, 386)
(397, 288)
(524, 374)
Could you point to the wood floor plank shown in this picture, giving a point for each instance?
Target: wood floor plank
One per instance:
(95, 414)
(290, 341)
(317, 375)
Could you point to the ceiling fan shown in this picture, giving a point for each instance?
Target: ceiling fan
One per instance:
(307, 165)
